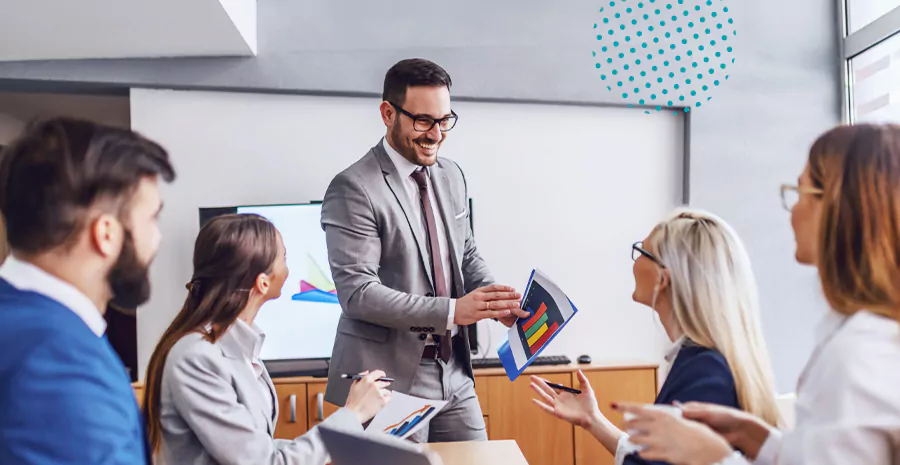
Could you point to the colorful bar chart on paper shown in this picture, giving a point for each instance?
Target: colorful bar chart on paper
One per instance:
(543, 323)
(549, 310)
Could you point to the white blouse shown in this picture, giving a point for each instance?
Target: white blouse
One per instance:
(848, 398)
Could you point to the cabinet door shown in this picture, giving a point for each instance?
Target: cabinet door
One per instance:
(139, 395)
(544, 440)
(318, 409)
(292, 421)
(481, 390)
(612, 386)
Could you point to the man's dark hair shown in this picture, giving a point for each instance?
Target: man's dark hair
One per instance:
(412, 72)
(58, 168)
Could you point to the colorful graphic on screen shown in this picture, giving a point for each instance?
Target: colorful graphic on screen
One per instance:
(316, 287)
(544, 322)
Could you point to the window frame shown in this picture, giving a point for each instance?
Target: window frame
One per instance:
(853, 45)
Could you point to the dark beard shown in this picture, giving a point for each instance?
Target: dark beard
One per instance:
(407, 150)
(129, 279)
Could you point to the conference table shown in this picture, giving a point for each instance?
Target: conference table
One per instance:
(479, 453)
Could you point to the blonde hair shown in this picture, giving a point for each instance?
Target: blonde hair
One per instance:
(715, 302)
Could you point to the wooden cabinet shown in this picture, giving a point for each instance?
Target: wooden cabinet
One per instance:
(318, 409)
(292, 410)
(139, 394)
(506, 406)
(612, 386)
(481, 390)
(542, 438)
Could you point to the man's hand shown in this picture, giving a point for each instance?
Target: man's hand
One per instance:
(494, 301)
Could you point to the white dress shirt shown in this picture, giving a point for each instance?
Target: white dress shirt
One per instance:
(406, 168)
(848, 398)
(248, 340)
(624, 447)
(26, 277)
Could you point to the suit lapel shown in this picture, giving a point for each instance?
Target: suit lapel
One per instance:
(442, 192)
(249, 384)
(272, 419)
(393, 180)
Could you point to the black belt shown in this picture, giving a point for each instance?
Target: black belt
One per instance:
(431, 352)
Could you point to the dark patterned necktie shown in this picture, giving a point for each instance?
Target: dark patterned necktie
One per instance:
(440, 282)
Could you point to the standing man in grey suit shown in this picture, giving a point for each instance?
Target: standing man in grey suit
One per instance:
(408, 275)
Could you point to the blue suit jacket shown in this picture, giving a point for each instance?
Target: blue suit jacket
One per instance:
(698, 374)
(65, 397)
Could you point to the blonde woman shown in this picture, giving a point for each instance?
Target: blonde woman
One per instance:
(693, 271)
(845, 212)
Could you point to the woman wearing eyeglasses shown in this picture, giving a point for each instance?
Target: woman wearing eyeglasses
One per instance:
(846, 221)
(693, 271)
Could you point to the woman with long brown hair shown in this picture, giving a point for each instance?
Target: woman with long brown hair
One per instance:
(4, 246)
(209, 398)
(845, 212)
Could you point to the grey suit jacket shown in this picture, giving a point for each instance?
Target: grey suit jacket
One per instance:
(215, 411)
(381, 268)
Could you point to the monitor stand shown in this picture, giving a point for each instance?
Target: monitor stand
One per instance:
(317, 368)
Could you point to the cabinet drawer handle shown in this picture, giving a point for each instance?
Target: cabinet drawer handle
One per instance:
(320, 407)
(293, 408)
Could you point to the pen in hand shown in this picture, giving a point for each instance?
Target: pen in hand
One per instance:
(562, 388)
(359, 377)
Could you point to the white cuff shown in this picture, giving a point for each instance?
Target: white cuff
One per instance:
(736, 458)
(768, 453)
(452, 315)
(623, 448)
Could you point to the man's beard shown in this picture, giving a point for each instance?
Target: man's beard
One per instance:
(406, 148)
(129, 279)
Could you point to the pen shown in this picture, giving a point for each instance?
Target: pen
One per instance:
(359, 377)
(562, 388)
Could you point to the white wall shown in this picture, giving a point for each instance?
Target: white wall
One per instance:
(18, 108)
(567, 189)
(101, 29)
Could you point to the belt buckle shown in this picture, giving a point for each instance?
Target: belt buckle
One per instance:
(435, 352)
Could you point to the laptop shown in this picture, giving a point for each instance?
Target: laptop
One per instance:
(360, 448)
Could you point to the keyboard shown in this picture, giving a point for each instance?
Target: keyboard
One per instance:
(493, 362)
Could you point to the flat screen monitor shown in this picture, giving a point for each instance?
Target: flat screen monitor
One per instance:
(302, 323)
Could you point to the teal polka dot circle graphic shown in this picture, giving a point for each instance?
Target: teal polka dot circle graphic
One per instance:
(681, 49)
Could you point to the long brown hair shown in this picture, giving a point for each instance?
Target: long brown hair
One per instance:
(858, 168)
(4, 247)
(230, 253)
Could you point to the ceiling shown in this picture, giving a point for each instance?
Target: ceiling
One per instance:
(84, 29)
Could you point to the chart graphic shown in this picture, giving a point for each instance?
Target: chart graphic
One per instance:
(410, 421)
(544, 322)
(316, 287)
(404, 415)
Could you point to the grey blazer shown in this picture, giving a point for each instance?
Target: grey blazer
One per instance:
(380, 264)
(215, 411)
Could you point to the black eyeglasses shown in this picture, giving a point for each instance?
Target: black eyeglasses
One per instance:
(637, 249)
(423, 123)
